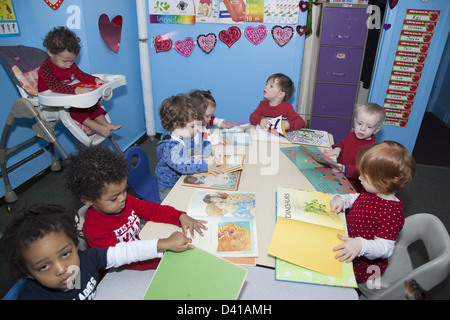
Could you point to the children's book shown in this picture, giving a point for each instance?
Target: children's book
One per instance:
(322, 177)
(319, 158)
(87, 85)
(230, 220)
(269, 136)
(310, 137)
(305, 234)
(195, 275)
(229, 163)
(226, 181)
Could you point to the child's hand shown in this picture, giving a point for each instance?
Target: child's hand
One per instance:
(100, 81)
(214, 166)
(350, 248)
(226, 125)
(191, 224)
(80, 90)
(337, 204)
(176, 242)
(333, 152)
(341, 168)
(287, 126)
(264, 124)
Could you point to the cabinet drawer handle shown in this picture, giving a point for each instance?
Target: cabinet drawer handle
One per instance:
(343, 37)
(338, 74)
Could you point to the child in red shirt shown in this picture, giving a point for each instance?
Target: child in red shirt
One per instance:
(278, 90)
(376, 214)
(98, 177)
(368, 121)
(58, 70)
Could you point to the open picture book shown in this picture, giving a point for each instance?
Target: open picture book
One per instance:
(305, 234)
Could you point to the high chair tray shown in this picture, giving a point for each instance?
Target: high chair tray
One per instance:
(85, 100)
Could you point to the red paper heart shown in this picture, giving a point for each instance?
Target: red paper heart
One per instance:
(392, 3)
(301, 30)
(162, 44)
(110, 31)
(230, 36)
(282, 35)
(303, 5)
(185, 47)
(54, 4)
(207, 43)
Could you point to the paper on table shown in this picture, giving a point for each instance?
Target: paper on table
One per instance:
(308, 245)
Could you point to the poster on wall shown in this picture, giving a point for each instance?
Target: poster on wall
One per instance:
(220, 11)
(171, 11)
(8, 21)
(412, 49)
(272, 11)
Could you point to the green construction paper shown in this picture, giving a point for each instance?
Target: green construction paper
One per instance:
(195, 275)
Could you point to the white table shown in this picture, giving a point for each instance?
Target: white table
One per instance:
(260, 284)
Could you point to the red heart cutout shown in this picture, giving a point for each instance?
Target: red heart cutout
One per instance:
(162, 44)
(110, 31)
(230, 36)
(303, 5)
(301, 30)
(54, 4)
(392, 3)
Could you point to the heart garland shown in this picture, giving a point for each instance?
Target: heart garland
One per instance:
(162, 44)
(301, 30)
(185, 47)
(392, 3)
(111, 31)
(207, 42)
(54, 4)
(230, 36)
(282, 35)
(255, 35)
(303, 5)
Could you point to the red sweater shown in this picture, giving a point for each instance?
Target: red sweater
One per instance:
(371, 216)
(284, 109)
(56, 79)
(350, 147)
(103, 231)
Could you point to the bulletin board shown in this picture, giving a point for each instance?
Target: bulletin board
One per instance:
(9, 26)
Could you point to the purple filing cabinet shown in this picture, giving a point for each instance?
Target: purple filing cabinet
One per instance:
(341, 54)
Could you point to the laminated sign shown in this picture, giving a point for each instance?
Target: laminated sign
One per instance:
(412, 49)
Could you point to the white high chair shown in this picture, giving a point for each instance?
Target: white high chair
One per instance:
(47, 108)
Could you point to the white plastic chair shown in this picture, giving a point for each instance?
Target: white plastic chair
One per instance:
(391, 285)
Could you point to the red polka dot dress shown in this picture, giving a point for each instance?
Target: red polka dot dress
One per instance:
(371, 216)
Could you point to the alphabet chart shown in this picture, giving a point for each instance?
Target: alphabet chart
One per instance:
(8, 21)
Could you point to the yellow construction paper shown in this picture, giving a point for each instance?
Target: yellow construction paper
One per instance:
(307, 245)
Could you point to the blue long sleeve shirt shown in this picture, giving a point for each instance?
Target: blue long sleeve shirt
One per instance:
(175, 159)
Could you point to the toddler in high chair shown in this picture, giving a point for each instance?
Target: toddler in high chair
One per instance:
(58, 70)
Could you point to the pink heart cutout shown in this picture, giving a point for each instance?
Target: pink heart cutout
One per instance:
(282, 35)
(230, 36)
(207, 43)
(111, 31)
(162, 44)
(255, 35)
(185, 47)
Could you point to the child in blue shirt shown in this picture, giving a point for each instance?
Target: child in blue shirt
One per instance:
(177, 153)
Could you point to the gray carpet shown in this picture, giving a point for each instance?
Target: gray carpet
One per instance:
(428, 192)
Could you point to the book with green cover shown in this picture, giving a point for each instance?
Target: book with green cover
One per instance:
(195, 275)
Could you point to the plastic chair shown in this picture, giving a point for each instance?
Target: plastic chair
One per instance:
(429, 229)
(13, 293)
(82, 245)
(140, 179)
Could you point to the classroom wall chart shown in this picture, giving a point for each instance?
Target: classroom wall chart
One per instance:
(8, 20)
(415, 37)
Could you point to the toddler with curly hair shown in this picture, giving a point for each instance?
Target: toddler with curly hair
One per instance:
(58, 70)
(98, 177)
